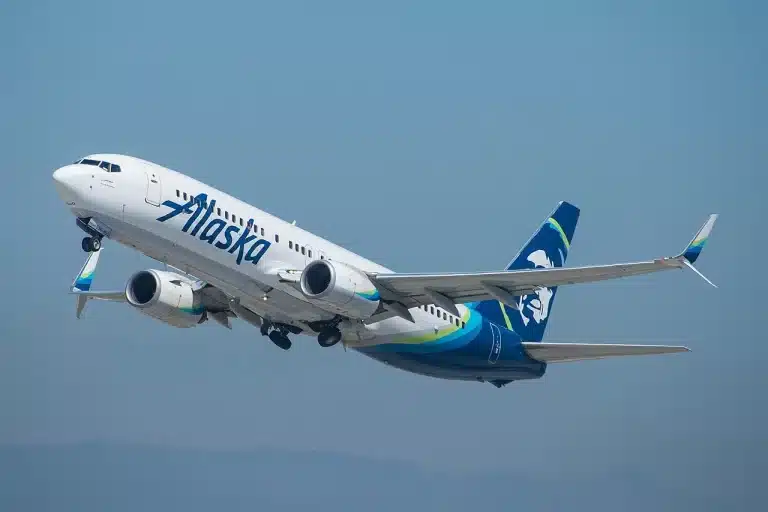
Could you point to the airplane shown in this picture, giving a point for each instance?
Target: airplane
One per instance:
(225, 259)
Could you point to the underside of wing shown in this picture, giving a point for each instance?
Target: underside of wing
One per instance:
(566, 352)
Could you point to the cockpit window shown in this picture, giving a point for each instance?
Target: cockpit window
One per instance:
(104, 165)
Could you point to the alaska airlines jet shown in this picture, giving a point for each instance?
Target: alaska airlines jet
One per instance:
(230, 260)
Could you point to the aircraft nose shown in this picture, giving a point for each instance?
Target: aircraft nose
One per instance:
(64, 178)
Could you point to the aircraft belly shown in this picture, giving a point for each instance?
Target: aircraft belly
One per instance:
(280, 306)
(457, 367)
(479, 351)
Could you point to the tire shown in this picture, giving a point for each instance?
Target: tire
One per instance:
(280, 340)
(95, 244)
(86, 244)
(329, 337)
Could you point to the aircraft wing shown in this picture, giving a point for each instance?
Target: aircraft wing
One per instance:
(445, 290)
(567, 352)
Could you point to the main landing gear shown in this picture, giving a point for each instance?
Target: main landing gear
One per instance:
(277, 334)
(91, 244)
(328, 331)
(329, 337)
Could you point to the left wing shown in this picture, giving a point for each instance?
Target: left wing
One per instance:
(445, 290)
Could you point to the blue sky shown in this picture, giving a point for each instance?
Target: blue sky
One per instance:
(429, 137)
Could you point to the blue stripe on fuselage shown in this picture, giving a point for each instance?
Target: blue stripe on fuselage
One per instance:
(464, 354)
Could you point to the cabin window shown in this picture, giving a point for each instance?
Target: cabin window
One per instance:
(226, 215)
(302, 250)
(241, 221)
(457, 322)
(290, 244)
(445, 316)
(432, 310)
(309, 253)
(277, 237)
(185, 196)
(463, 324)
(178, 194)
(234, 219)
(297, 247)
(218, 212)
(322, 257)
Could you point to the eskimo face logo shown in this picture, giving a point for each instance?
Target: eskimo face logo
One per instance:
(536, 305)
(249, 246)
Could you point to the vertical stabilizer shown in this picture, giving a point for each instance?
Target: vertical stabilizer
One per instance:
(547, 248)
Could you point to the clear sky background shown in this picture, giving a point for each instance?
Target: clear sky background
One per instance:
(430, 136)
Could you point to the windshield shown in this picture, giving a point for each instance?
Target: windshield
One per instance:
(109, 167)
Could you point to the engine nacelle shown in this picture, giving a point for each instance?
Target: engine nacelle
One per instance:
(341, 288)
(165, 296)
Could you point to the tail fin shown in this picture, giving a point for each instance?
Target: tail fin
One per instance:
(547, 248)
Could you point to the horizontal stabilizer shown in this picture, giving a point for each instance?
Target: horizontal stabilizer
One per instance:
(566, 352)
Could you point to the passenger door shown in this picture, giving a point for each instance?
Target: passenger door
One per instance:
(154, 187)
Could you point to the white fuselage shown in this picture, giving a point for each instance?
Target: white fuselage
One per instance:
(126, 206)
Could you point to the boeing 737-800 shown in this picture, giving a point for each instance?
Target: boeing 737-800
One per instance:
(232, 260)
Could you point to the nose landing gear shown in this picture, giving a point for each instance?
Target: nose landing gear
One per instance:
(91, 244)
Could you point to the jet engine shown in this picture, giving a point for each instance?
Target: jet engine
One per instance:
(165, 296)
(340, 288)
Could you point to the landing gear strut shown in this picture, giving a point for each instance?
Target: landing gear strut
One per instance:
(91, 244)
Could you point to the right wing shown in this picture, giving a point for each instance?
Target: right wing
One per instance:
(567, 352)
(445, 290)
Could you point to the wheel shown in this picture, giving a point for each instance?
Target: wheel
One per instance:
(95, 244)
(86, 244)
(329, 338)
(280, 339)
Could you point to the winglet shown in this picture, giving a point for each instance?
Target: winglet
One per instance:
(691, 253)
(82, 282)
(694, 248)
